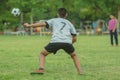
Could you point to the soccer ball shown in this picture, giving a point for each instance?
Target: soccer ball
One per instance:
(15, 11)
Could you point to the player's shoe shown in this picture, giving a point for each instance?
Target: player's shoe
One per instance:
(39, 71)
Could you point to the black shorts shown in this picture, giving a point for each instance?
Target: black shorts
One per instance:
(54, 47)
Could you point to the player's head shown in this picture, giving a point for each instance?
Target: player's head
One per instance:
(112, 16)
(62, 12)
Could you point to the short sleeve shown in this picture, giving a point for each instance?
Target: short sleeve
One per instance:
(73, 30)
(49, 23)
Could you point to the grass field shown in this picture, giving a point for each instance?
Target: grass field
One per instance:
(19, 56)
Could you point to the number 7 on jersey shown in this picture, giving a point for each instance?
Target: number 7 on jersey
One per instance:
(64, 24)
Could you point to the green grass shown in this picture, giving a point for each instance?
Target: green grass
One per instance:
(19, 56)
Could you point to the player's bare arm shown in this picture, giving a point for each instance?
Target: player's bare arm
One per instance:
(74, 39)
(40, 24)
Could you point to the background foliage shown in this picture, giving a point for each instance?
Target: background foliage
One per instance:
(79, 10)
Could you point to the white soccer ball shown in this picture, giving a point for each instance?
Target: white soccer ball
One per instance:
(16, 11)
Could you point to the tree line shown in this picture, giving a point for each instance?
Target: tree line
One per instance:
(78, 10)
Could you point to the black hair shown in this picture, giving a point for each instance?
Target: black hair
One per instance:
(62, 12)
(113, 14)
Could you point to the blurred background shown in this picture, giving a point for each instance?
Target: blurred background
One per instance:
(88, 16)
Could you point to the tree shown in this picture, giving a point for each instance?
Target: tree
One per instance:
(45, 9)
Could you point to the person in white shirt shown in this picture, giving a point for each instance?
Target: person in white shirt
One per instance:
(63, 36)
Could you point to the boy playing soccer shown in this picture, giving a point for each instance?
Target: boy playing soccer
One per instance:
(63, 36)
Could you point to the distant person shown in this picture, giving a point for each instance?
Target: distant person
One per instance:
(112, 27)
(63, 36)
(16, 28)
(99, 28)
(94, 24)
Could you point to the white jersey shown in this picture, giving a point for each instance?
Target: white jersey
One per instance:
(62, 30)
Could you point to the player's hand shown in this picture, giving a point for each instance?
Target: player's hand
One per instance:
(26, 25)
(113, 31)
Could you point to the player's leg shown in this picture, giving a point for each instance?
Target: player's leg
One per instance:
(43, 54)
(116, 37)
(50, 48)
(111, 37)
(76, 62)
(71, 51)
